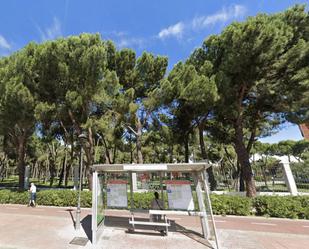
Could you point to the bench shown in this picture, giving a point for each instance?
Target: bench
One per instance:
(165, 224)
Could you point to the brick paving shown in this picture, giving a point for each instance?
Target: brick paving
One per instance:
(53, 228)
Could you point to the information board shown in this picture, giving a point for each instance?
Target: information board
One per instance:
(179, 195)
(117, 193)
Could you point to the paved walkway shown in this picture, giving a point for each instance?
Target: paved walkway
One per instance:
(51, 228)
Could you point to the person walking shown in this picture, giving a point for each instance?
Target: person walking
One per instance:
(32, 191)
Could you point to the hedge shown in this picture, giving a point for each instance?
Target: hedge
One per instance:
(270, 206)
(231, 205)
(282, 206)
(64, 198)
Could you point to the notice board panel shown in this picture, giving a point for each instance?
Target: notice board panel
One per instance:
(117, 193)
(179, 195)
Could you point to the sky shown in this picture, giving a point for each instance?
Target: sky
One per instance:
(173, 28)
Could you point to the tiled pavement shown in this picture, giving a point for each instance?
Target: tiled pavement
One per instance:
(53, 228)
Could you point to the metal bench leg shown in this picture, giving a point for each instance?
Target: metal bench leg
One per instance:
(166, 221)
(133, 225)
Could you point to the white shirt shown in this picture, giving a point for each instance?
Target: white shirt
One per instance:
(33, 189)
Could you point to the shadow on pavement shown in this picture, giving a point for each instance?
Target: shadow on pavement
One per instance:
(73, 220)
(123, 222)
(86, 225)
(193, 235)
(154, 233)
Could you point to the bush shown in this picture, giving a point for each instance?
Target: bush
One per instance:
(5, 196)
(282, 206)
(141, 200)
(231, 205)
(272, 206)
(47, 197)
(13, 197)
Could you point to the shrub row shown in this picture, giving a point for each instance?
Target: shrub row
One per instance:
(63, 198)
(282, 206)
(231, 205)
(271, 206)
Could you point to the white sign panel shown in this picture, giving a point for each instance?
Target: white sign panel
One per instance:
(179, 195)
(141, 167)
(117, 193)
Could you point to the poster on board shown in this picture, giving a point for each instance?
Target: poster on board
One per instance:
(117, 193)
(179, 195)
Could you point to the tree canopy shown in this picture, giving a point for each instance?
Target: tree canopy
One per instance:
(241, 84)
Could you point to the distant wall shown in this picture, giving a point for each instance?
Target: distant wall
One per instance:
(304, 128)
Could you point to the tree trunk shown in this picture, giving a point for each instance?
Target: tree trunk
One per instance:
(2, 167)
(139, 142)
(46, 171)
(21, 160)
(114, 154)
(264, 172)
(243, 158)
(52, 163)
(171, 154)
(89, 158)
(186, 144)
(211, 176)
(69, 165)
(40, 171)
(241, 180)
(107, 152)
(131, 149)
(62, 169)
(51, 171)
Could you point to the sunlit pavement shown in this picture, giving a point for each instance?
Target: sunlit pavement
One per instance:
(23, 227)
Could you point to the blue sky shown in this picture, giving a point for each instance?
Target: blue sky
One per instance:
(166, 27)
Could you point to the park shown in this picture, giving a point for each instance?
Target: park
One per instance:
(171, 139)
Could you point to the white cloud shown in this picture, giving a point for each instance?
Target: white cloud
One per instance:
(123, 39)
(126, 42)
(239, 11)
(233, 12)
(226, 14)
(119, 33)
(4, 44)
(114, 34)
(174, 30)
(51, 32)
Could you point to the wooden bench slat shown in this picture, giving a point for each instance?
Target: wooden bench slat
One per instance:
(174, 212)
(146, 223)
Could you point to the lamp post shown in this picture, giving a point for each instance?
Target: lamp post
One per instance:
(82, 137)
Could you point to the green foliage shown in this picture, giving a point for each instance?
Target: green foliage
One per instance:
(5, 196)
(86, 199)
(284, 206)
(142, 200)
(239, 85)
(61, 198)
(272, 206)
(301, 171)
(13, 197)
(261, 68)
(231, 205)
(17, 102)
